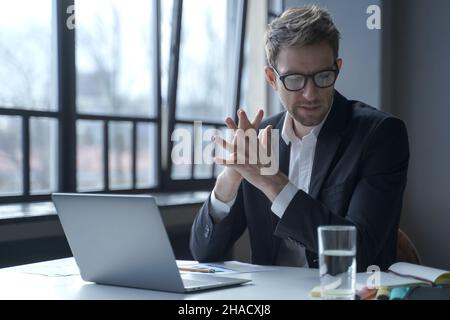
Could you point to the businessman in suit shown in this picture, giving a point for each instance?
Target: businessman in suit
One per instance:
(341, 162)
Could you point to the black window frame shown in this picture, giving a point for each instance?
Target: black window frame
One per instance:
(67, 115)
(198, 184)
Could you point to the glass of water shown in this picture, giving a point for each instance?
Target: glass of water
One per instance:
(337, 262)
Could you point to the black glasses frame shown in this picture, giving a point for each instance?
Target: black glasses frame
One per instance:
(307, 77)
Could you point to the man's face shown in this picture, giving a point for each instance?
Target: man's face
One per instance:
(310, 105)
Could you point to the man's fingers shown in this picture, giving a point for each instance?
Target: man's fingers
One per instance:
(244, 123)
(231, 124)
(231, 161)
(258, 118)
(265, 137)
(240, 141)
(224, 143)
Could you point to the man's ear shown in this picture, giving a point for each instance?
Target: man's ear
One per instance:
(339, 63)
(271, 78)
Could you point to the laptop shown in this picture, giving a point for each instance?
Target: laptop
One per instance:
(121, 240)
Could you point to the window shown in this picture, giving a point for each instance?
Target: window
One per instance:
(90, 167)
(114, 50)
(207, 55)
(28, 110)
(256, 93)
(26, 75)
(92, 108)
(208, 78)
(43, 155)
(115, 85)
(11, 156)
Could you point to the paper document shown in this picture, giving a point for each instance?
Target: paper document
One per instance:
(227, 267)
(64, 268)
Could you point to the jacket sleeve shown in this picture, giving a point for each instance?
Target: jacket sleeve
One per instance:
(212, 242)
(375, 204)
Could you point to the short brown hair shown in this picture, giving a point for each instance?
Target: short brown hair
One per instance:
(299, 27)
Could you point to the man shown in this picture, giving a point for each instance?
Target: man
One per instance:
(341, 162)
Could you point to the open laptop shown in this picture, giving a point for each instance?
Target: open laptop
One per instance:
(121, 240)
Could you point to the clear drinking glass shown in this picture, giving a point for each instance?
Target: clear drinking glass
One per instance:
(337, 262)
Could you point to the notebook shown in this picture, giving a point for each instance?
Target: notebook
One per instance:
(403, 274)
(400, 274)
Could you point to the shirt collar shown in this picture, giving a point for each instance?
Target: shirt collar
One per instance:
(288, 133)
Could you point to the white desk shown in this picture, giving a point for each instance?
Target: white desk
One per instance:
(281, 284)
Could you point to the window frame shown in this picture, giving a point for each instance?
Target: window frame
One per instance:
(198, 184)
(67, 116)
(26, 116)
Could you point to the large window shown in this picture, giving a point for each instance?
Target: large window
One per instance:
(116, 90)
(28, 109)
(207, 55)
(26, 75)
(115, 57)
(11, 156)
(91, 107)
(208, 79)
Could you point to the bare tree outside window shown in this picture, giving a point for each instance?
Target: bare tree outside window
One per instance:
(117, 137)
(120, 156)
(206, 79)
(11, 156)
(89, 156)
(114, 55)
(27, 81)
(25, 52)
(207, 60)
(115, 76)
(43, 155)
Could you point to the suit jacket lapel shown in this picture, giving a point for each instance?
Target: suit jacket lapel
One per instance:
(328, 143)
(325, 150)
(284, 159)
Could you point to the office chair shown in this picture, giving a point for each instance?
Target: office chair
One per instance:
(406, 251)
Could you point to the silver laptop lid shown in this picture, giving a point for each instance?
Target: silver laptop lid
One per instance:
(119, 240)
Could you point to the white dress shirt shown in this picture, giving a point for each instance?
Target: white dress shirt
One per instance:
(300, 169)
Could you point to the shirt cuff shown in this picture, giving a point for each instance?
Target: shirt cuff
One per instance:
(220, 210)
(283, 200)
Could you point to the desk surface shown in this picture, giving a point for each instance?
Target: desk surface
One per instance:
(281, 283)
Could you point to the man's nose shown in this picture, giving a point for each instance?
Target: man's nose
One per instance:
(310, 90)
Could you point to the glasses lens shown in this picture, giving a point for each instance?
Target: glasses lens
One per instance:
(294, 82)
(325, 79)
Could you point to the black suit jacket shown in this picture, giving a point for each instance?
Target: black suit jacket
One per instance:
(358, 178)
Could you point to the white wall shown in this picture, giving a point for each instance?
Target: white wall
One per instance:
(420, 96)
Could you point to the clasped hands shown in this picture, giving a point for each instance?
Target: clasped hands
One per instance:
(252, 157)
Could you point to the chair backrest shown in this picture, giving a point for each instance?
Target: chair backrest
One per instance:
(406, 251)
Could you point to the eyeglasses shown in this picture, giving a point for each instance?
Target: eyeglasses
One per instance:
(297, 81)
